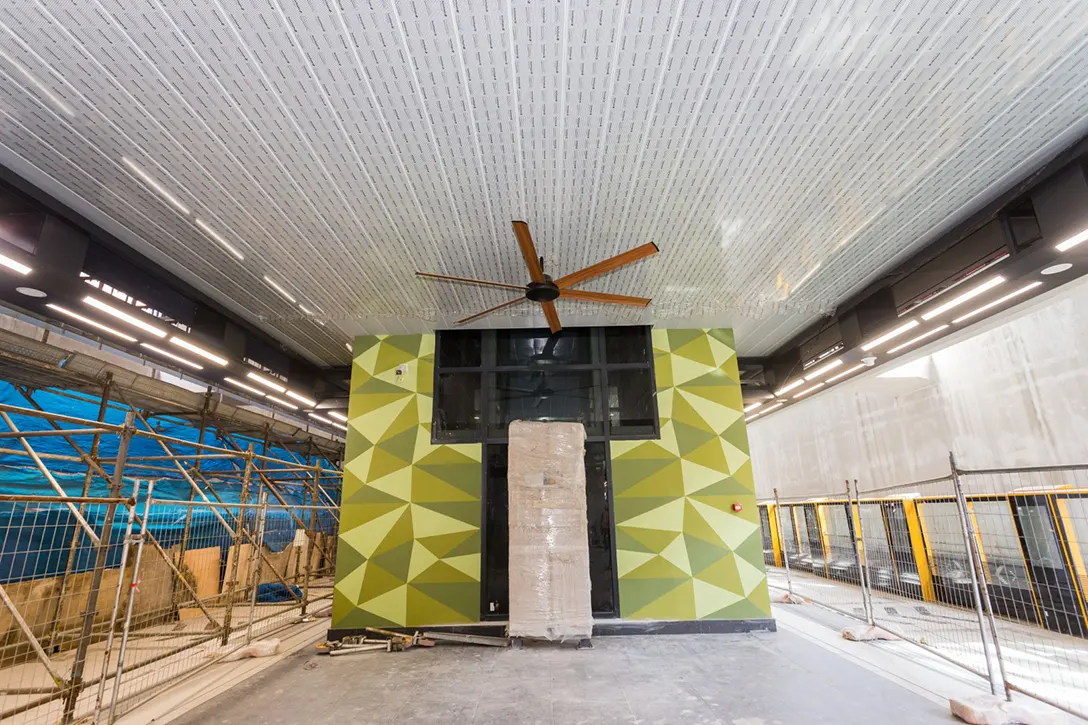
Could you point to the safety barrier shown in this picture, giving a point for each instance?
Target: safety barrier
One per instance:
(985, 568)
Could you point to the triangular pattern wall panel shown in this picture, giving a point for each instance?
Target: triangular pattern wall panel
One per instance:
(682, 551)
(409, 549)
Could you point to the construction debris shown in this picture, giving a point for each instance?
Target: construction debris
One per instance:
(258, 648)
(389, 642)
(468, 639)
(867, 633)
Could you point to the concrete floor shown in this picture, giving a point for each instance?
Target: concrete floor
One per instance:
(754, 679)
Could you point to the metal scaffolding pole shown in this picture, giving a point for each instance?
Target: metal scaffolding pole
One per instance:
(236, 544)
(75, 681)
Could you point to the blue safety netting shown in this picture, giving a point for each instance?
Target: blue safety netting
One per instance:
(35, 538)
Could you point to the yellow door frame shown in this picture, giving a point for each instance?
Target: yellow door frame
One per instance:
(916, 530)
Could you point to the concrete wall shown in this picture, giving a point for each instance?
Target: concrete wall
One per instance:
(1011, 391)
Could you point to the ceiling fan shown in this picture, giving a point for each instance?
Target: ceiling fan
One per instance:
(544, 290)
(541, 391)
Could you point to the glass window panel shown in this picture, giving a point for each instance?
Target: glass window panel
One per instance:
(546, 395)
(457, 407)
(459, 348)
(1075, 516)
(944, 536)
(538, 348)
(626, 345)
(1040, 540)
(837, 522)
(1000, 543)
(631, 401)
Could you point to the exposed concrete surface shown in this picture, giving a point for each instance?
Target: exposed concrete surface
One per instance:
(752, 679)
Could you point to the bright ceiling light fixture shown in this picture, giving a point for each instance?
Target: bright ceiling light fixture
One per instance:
(159, 188)
(968, 295)
(1056, 268)
(768, 409)
(172, 356)
(322, 418)
(305, 310)
(918, 339)
(197, 350)
(1072, 241)
(243, 386)
(848, 371)
(218, 239)
(349, 347)
(267, 382)
(810, 389)
(890, 335)
(281, 401)
(280, 290)
(15, 266)
(92, 323)
(998, 301)
(790, 386)
(752, 417)
(339, 416)
(753, 406)
(823, 369)
(44, 89)
(301, 398)
(133, 320)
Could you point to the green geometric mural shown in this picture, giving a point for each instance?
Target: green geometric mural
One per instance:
(409, 548)
(682, 552)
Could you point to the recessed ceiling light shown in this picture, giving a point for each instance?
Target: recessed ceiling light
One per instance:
(891, 334)
(281, 401)
(15, 266)
(150, 181)
(918, 339)
(848, 371)
(133, 320)
(172, 356)
(267, 382)
(753, 417)
(790, 386)
(808, 390)
(33, 80)
(243, 386)
(31, 292)
(282, 292)
(999, 301)
(769, 408)
(349, 347)
(338, 416)
(823, 369)
(207, 355)
(301, 398)
(89, 321)
(753, 406)
(218, 239)
(968, 295)
(1072, 241)
(304, 309)
(1057, 268)
(323, 419)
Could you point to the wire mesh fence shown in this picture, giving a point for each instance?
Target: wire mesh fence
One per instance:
(984, 568)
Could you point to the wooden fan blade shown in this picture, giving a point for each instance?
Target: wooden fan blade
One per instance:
(469, 280)
(577, 294)
(552, 316)
(596, 270)
(489, 311)
(528, 250)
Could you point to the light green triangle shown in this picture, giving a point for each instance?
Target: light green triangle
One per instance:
(666, 482)
(377, 581)
(710, 599)
(677, 604)
(422, 558)
(376, 422)
(468, 564)
(750, 576)
(443, 544)
(718, 417)
(711, 455)
(653, 539)
(720, 351)
(736, 458)
(442, 572)
(676, 554)
(702, 554)
(684, 370)
(668, 517)
(663, 370)
(351, 584)
(405, 343)
(359, 466)
(658, 568)
(390, 356)
(695, 525)
(366, 538)
(392, 605)
(698, 477)
(397, 484)
(668, 439)
(399, 533)
(427, 488)
(432, 523)
(697, 349)
(382, 463)
(732, 529)
(679, 337)
(659, 339)
(723, 574)
(664, 402)
(627, 561)
(366, 359)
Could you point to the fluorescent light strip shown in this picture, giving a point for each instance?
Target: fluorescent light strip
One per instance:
(339, 416)
(752, 417)
(848, 371)
(270, 384)
(995, 303)
(282, 402)
(323, 419)
(753, 406)
(823, 369)
(181, 342)
(33, 80)
(172, 356)
(921, 337)
(890, 335)
(776, 406)
(218, 239)
(282, 292)
(305, 310)
(243, 386)
(92, 323)
(15, 266)
(790, 386)
(1072, 241)
(301, 398)
(808, 390)
(966, 296)
(147, 179)
(123, 316)
(349, 347)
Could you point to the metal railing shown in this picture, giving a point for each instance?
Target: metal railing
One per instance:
(105, 601)
(985, 568)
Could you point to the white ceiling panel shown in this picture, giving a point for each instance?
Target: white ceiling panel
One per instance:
(782, 153)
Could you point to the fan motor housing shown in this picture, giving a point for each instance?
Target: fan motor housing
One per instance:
(542, 291)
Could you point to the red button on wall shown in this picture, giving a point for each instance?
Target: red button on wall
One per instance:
(737, 507)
